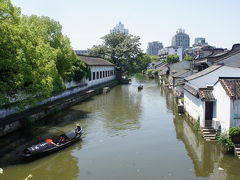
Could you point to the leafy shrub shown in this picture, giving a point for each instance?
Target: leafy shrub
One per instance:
(150, 72)
(234, 131)
(197, 125)
(225, 141)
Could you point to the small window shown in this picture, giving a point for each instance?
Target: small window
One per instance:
(94, 75)
(97, 75)
(100, 74)
(90, 76)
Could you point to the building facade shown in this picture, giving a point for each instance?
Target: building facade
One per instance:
(119, 28)
(200, 41)
(202, 97)
(181, 39)
(102, 71)
(163, 53)
(226, 109)
(154, 47)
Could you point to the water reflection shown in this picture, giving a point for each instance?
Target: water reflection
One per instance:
(123, 109)
(59, 166)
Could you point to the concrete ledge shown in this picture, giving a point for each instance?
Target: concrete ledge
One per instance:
(19, 120)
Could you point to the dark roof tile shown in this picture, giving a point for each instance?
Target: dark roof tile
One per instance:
(206, 95)
(232, 87)
(190, 89)
(93, 61)
(202, 73)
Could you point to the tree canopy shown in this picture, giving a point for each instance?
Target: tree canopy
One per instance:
(123, 51)
(35, 57)
(171, 59)
(188, 58)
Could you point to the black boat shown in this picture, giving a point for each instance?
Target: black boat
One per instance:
(140, 87)
(44, 148)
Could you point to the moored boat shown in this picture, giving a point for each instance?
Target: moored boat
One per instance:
(140, 87)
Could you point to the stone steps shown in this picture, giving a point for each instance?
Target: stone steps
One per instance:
(237, 152)
(209, 134)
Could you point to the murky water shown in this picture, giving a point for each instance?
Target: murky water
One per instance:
(128, 135)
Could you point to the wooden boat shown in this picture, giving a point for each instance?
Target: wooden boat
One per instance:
(44, 148)
(140, 87)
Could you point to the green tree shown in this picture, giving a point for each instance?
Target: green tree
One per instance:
(142, 62)
(120, 49)
(35, 57)
(155, 58)
(188, 58)
(171, 59)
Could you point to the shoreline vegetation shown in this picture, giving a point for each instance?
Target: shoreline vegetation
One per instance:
(36, 59)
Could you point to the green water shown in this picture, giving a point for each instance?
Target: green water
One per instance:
(129, 134)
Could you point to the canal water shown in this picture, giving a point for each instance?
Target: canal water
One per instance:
(128, 134)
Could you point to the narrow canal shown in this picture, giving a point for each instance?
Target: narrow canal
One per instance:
(128, 135)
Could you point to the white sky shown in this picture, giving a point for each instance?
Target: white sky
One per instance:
(85, 22)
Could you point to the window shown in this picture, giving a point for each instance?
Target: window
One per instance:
(100, 74)
(94, 76)
(103, 74)
(97, 75)
(90, 76)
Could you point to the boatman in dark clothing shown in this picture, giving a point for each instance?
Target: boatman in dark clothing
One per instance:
(78, 129)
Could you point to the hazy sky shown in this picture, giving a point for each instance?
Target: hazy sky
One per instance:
(85, 22)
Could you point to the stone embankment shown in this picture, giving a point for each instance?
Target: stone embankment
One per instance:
(19, 120)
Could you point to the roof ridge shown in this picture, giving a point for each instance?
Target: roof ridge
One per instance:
(203, 72)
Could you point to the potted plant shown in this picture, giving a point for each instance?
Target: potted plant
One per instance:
(234, 134)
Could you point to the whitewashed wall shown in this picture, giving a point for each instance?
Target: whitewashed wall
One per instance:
(194, 107)
(72, 88)
(223, 108)
(100, 80)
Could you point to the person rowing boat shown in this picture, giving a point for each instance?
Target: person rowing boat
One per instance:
(78, 129)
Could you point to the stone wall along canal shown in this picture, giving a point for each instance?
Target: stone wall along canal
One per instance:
(129, 134)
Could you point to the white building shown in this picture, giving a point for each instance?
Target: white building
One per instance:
(163, 53)
(201, 95)
(226, 109)
(102, 71)
(119, 28)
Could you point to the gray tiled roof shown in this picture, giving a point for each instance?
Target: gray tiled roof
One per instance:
(93, 61)
(190, 89)
(206, 95)
(202, 73)
(180, 73)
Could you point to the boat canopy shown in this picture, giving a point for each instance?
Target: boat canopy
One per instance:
(69, 135)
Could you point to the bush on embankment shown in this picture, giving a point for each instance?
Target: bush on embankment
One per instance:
(225, 141)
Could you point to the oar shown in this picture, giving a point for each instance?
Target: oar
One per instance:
(58, 129)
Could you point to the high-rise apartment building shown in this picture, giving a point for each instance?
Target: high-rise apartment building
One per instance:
(154, 47)
(181, 39)
(119, 28)
(200, 41)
